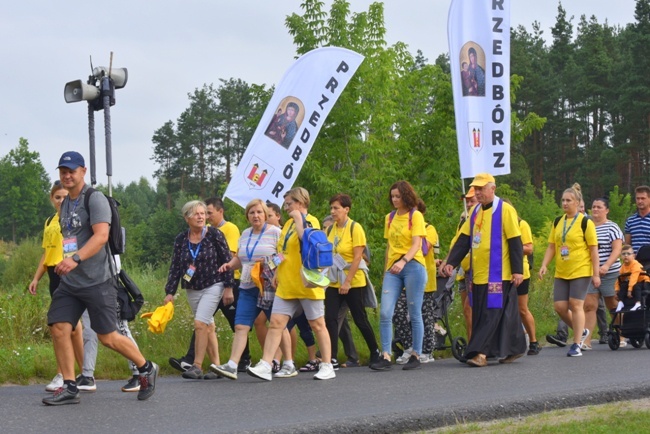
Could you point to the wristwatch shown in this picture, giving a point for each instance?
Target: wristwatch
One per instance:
(76, 258)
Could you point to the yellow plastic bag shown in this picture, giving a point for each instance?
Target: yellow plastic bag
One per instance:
(158, 319)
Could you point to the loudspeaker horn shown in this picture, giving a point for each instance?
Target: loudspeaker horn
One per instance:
(119, 75)
(77, 90)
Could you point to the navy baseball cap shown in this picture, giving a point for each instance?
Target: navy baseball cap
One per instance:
(71, 160)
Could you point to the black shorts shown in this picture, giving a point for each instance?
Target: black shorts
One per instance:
(101, 301)
(523, 288)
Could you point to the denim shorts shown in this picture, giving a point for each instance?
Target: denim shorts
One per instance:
(247, 310)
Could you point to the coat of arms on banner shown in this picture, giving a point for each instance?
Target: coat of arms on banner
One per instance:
(475, 134)
(257, 173)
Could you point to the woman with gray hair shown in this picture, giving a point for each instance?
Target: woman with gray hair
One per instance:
(198, 254)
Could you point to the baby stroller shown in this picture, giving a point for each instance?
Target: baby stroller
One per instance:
(633, 325)
(444, 338)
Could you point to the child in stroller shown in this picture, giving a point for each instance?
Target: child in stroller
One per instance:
(630, 283)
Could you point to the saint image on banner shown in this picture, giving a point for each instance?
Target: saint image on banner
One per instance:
(286, 121)
(472, 69)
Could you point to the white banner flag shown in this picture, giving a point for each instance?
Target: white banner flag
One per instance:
(282, 141)
(479, 52)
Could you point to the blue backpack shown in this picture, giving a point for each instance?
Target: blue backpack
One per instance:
(315, 248)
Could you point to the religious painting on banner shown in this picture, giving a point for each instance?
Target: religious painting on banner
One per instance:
(290, 124)
(479, 47)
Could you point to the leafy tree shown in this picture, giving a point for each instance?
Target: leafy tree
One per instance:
(24, 193)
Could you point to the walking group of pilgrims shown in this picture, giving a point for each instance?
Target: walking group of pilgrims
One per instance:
(258, 280)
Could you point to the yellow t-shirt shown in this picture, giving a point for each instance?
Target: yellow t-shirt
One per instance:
(344, 245)
(53, 242)
(526, 238)
(288, 272)
(481, 254)
(578, 263)
(231, 232)
(430, 260)
(400, 237)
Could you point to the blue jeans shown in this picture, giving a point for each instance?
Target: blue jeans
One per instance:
(413, 277)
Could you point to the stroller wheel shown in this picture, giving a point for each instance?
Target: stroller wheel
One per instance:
(636, 343)
(614, 340)
(458, 346)
(647, 340)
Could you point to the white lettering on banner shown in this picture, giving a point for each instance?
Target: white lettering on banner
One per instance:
(479, 47)
(293, 118)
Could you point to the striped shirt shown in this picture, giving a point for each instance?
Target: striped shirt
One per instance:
(255, 246)
(607, 233)
(639, 229)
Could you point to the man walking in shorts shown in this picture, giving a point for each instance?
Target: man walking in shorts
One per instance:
(87, 282)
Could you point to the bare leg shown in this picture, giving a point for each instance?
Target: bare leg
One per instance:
(274, 336)
(578, 317)
(78, 344)
(212, 347)
(260, 328)
(590, 307)
(322, 338)
(62, 339)
(562, 309)
(124, 346)
(239, 343)
(527, 317)
(201, 331)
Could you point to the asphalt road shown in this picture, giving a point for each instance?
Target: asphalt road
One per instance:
(358, 400)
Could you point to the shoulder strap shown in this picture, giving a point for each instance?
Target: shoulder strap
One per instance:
(556, 221)
(411, 218)
(391, 216)
(329, 229)
(89, 192)
(352, 228)
(49, 219)
(583, 225)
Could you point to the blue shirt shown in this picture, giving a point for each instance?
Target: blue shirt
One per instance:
(639, 229)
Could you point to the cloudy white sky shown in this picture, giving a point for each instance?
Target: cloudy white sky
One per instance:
(171, 47)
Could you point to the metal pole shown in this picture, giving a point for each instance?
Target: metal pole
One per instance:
(91, 138)
(106, 92)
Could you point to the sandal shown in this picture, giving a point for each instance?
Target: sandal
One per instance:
(311, 366)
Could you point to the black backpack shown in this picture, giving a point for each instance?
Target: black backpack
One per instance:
(117, 234)
(583, 224)
(129, 297)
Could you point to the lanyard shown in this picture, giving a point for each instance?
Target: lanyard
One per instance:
(565, 230)
(337, 239)
(71, 213)
(249, 253)
(195, 253)
(286, 237)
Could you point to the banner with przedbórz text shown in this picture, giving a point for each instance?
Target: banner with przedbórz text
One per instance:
(290, 124)
(479, 51)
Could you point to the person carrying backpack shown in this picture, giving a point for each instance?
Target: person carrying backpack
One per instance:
(292, 295)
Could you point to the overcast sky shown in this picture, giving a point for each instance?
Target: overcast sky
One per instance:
(171, 47)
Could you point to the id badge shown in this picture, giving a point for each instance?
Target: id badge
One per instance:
(476, 240)
(189, 273)
(564, 252)
(69, 246)
(277, 259)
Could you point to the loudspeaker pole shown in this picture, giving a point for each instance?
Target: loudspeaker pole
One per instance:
(91, 139)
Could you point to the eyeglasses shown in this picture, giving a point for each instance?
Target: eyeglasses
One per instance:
(627, 254)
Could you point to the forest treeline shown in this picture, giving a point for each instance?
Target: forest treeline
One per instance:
(580, 113)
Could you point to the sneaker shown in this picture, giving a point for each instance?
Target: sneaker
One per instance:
(56, 382)
(374, 357)
(636, 306)
(85, 384)
(622, 344)
(413, 363)
(148, 382)
(194, 373)
(381, 365)
(260, 371)
(336, 364)
(133, 385)
(510, 359)
(574, 351)
(439, 329)
(179, 364)
(401, 360)
(620, 306)
(350, 364)
(556, 340)
(585, 347)
(426, 358)
(286, 372)
(275, 367)
(211, 376)
(583, 338)
(534, 349)
(225, 370)
(243, 364)
(311, 366)
(62, 396)
(325, 372)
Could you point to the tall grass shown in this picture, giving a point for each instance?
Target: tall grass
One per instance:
(27, 356)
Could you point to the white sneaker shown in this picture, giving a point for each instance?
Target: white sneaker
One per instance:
(620, 306)
(261, 371)
(636, 306)
(583, 338)
(426, 358)
(401, 360)
(439, 329)
(286, 372)
(56, 382)
(325, 372)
